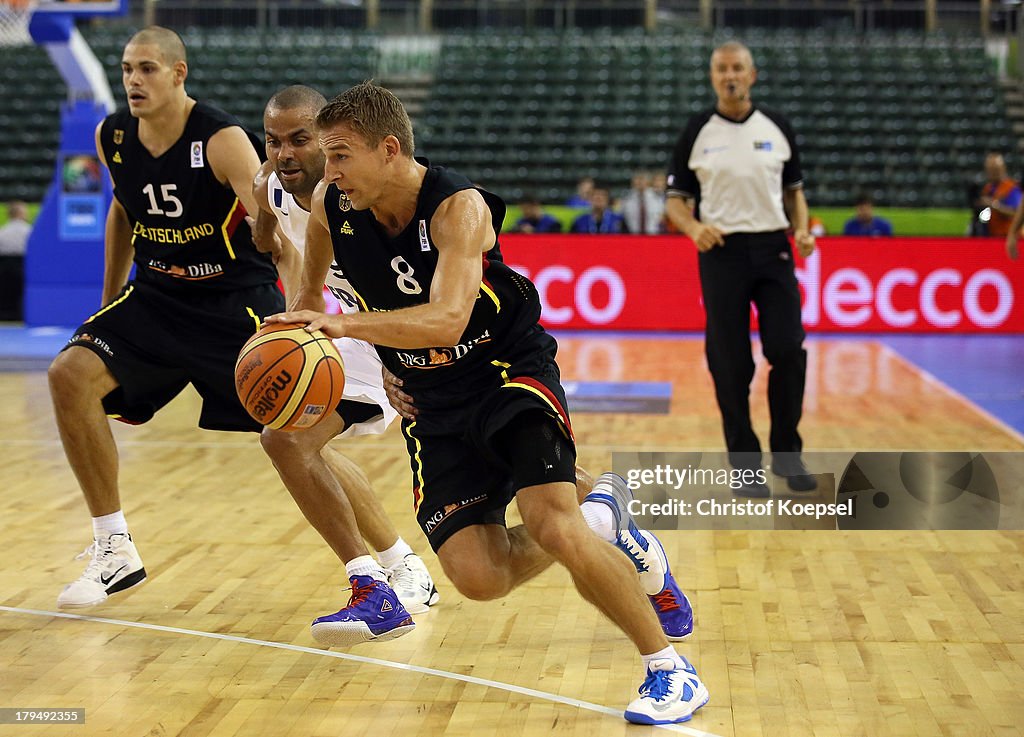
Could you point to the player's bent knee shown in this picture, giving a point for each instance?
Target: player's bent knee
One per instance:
(479, 585)
(278, 443)
(470, 572)
(78, 372)
(558, 534)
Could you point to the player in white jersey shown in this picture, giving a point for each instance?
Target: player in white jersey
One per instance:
(363, 368)
(282, 189)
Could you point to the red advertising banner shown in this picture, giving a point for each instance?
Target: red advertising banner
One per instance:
(961, 285)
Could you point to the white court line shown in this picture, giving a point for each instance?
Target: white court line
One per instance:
(939, 383)
(542, 695)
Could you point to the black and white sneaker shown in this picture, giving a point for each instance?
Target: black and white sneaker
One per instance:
(115, 566)
(411, 581)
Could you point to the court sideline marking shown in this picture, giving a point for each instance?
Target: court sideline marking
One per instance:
(931, 378)
(543, 695)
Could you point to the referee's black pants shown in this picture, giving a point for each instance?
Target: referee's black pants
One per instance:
(758, 268)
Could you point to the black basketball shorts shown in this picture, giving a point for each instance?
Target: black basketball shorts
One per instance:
(461, 468)
(155, 344)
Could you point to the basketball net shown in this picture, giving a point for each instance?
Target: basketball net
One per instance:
(14, 16)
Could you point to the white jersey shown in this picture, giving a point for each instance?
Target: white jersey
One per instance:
(363, 379)
(737, 170)
(293, 218)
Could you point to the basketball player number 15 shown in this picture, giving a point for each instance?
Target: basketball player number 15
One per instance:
(168, 198)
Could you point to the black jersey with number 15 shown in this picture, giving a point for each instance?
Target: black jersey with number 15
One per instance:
(392, 273)
(188, 229)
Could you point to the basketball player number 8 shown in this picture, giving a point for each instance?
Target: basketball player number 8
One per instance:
(405, 282)
(168, 198)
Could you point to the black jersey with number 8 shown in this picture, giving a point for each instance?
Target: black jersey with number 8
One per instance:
(392, 273)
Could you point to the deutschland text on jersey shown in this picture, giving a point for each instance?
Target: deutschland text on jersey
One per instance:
(188, 229)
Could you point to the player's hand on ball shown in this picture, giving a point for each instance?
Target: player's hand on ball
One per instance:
(330, 325)
(398, 399)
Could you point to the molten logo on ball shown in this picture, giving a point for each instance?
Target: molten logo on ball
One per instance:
(268, 400)
(288, 378)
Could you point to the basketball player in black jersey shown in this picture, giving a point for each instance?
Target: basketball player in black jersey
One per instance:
(182, 173)
(460, 329)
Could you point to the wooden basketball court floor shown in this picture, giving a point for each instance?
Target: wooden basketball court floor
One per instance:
(797, 633)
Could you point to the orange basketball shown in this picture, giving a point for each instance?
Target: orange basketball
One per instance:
(288, 379)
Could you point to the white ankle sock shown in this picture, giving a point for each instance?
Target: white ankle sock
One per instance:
(393, 556)
(365, 565)
(109, 524)
(669, 653)
(600, 519)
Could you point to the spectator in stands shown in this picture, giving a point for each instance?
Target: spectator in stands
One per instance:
(534, 219)
(584, 190)
(601, 218)
(642, 207)
(13, 238)
(659, 185)
(734, 187)
(1013, 232)
(865, 222)
(1000, 196)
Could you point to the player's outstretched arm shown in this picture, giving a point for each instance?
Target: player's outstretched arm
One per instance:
(117, 248)
(262, 221)
(461, 231)
(268, 237)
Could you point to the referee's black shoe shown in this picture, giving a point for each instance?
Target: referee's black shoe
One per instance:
(791, 466)
(754, 490)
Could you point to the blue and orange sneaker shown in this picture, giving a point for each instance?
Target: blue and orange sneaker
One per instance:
(373, 613)
(648, 557)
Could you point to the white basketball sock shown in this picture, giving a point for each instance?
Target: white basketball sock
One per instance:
(365, 565)
(669, 653)
(600, 519)
(109, 524)
(393, 556)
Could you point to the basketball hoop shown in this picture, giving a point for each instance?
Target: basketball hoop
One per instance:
(14, 17)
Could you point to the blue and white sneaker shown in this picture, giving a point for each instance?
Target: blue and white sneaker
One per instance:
(373, 613)
(648, 557)
(668, 695)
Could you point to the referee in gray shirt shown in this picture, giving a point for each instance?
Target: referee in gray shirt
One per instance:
(734, 187)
